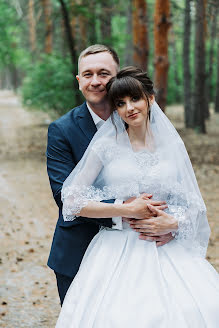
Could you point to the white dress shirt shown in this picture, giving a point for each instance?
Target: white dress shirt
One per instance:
(117, 221)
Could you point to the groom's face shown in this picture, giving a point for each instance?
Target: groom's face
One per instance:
(95, 71)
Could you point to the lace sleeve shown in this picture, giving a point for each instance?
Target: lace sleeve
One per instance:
(185, 228)
(190, 214)
(78, 189)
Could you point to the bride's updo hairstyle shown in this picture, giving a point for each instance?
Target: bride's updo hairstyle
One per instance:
(132, 82)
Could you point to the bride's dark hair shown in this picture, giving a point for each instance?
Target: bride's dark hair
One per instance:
(130, 81)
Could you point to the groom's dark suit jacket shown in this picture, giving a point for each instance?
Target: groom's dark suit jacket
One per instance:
(68, 138)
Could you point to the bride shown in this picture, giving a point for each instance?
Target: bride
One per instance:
(124, 281)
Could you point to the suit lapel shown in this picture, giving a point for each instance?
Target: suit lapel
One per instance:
(86, 122)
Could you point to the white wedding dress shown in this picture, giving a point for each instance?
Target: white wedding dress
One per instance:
(125, 282)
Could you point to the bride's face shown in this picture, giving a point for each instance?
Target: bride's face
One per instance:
(133, 110)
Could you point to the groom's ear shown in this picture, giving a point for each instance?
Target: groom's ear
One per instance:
(78, 78)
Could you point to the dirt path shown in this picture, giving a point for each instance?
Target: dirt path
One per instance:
(28, 212)
(28, 217)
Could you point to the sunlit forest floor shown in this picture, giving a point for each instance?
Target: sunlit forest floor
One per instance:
(28, 213)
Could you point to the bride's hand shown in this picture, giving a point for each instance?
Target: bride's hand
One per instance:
(139, 209)
(159, 224)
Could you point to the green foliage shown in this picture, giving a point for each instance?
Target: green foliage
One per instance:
(175, 73)
(119, 36)
(48, 85)
(8, 34)
(47, 81)
(175, 87)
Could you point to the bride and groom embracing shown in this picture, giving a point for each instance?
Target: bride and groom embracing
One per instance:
(130, 242)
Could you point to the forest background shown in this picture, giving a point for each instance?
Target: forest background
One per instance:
(176, 41)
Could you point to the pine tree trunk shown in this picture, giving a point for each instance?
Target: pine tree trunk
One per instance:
(217, 87)
(188, 115)
(213, 36)
(79, 25)
(161, 27)
(200, 74)
(128, 58)
(14, 76)
(207, 112)
(74, 22)
(92, 33)
(63, 38)
(140, 34)
(47, 9)
(106, 21)
(32, 25)
(83, 23)
(71, 46)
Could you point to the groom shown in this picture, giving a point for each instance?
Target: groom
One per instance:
(68, 138)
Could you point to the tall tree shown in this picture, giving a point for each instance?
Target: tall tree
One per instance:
(188, 118)
(79, 23)
(73, 17)
(128, 57)
(92, 33)
(106, 20)
(213, 35)
(200, 74)
(207, 112)
(32, 26)
(217, 86)
(83, 23)
(140, 34)
(161, 27)
(71, 46)
(47, 9)
(64, 45)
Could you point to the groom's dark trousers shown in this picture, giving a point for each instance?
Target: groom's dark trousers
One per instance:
(68, 138)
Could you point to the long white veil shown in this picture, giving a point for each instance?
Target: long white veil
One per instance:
(171, 176)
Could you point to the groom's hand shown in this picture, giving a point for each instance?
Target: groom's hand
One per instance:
(160, 240)
(158, 228)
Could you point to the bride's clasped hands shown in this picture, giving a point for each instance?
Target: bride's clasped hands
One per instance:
(138, 208)
(150, 220)
(160, 223)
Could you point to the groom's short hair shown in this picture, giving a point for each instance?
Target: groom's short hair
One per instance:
(97, 48)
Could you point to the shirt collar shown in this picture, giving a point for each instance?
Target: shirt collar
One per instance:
(95, 117)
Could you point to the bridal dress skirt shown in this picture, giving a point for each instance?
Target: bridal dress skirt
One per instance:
(125, 282)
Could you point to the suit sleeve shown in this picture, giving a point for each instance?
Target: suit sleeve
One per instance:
(60, 160)
(60, 163)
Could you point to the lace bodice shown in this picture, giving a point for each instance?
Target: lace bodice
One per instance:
(130, 173)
